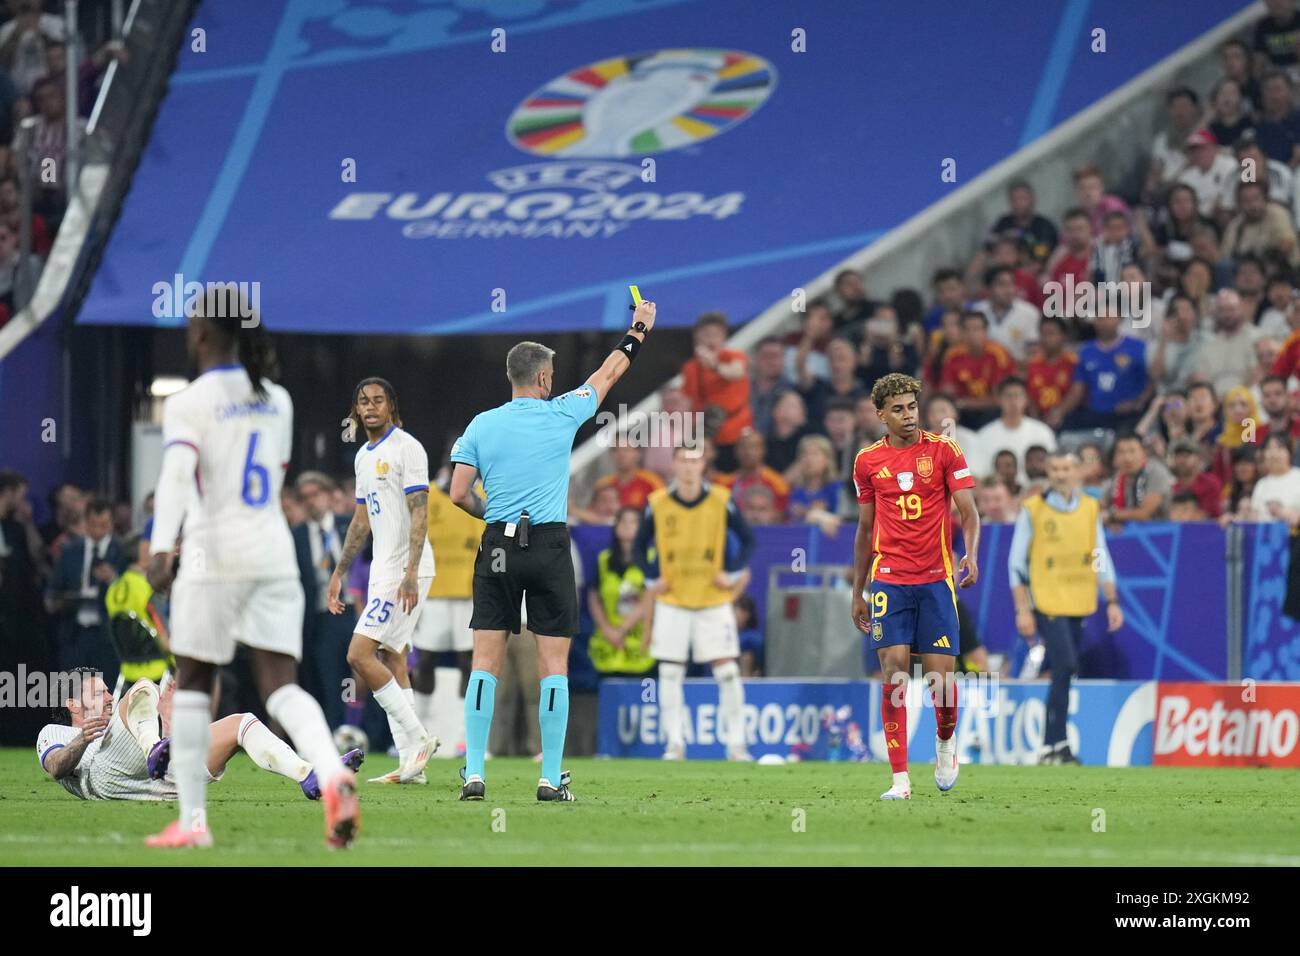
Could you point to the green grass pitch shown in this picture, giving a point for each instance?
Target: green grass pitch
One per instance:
(696, 813)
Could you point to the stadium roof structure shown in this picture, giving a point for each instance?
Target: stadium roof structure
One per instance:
(475, 166)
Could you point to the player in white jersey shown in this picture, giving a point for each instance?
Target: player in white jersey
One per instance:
(122, 754)
(392, 475)
(226, 443)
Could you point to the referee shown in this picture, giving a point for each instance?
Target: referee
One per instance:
(522, 451)
(1058, 558)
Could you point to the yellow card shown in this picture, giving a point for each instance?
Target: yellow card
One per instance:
(636, 295)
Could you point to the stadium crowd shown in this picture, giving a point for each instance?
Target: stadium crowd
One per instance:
(1177, 383)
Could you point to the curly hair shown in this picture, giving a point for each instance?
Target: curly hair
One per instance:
(895, 383)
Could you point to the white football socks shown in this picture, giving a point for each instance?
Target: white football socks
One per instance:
(731, 702)
(298, 713)
(672, 702)
(142, 716)
(191, 734)
(270, 752)
(398, 705)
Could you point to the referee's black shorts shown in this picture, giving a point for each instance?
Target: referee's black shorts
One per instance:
(505, 575)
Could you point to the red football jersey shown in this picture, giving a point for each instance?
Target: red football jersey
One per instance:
(912, 488)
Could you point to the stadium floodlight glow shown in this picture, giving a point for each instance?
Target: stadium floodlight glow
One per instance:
(165, 385)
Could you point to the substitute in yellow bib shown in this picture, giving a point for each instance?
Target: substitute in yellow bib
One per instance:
(1058, 559)
(139, 634)
(619, 644)
(444, 623)
(683, 549)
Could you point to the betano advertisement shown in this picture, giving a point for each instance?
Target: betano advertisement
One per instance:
(1111, 723)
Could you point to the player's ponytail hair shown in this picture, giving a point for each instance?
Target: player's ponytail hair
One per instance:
(388, 391)
(223, 307)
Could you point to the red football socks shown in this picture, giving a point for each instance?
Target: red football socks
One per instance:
(893, 717)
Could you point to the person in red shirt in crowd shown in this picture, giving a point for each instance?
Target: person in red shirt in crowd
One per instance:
(1049, 372)
(1090, 193)
(1073, 257)
(1190, 475)
(718, 376)
(1287, 362)
(973, 370)
(632, 482)
(751, 453)
(907, 484)
(1277, 405)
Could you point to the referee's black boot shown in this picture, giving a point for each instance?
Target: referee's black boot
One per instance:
(472, 789)
(562, 793)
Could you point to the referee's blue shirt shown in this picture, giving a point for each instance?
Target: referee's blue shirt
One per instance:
(522, 451)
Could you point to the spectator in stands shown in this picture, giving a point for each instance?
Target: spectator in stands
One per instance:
(618, 644)
(1092, 470)
(11, 212)
(1006, 469)
(1276, 495)
(1074, 254)
(1241, 426)
(1203, 419)
(16, 283)
(815, 486)
(1182, 117)
(1276, 311)
(751, 637)
(1249, 282)
(949, 296)
(1141, 313)
(47, 151)
(1025, 224)
(603, 508)
(25, 40)
(1276, 176)
(1140, 489)
(758, 506)
(1185, 506)
(973, 370)
(1050, 370)
(1090, 196)
(68, 507)
(994, 501)
(1111, 386)
(90, 75)
(805, 350)
(1165, 422)
(1170, 234)
(1191, 477)
(75, 593)
(1196, 282)
(21, 566)
(1277, 36)
(909, 309)
(1277, 125)
(1208, 172)
(1235, 58)
(684, 427)
(1013, 429)
(1036, 464)
(1014, 254)
(1012, 322)
(770, 381)
(1113, 249)
(1177, 351)
(789, 427)
(867, 420)
(1230, 112)
(855, 307)
(941, 342)
(718, 377)
(883, 349)
(844, 381)
(939, 411)
(632, 481)
(1276, 403)
(1241, 484)
(294, 512)
(1260, 228)
(1228, 357)
(753, 470)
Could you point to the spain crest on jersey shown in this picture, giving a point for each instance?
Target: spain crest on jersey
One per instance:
(925, 466)
(904, 481)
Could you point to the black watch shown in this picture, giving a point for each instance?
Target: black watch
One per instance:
(639, 326)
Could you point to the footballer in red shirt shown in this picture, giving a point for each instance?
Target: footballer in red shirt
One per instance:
(907, 484)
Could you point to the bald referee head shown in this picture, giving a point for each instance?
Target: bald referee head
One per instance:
(521, 451)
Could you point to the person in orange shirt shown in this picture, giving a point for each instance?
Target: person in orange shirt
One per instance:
(719, 376)
(632, 482)
(1050, 371)
(751, 453)
(973, 370)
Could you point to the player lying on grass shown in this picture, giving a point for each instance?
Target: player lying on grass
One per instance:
(122, 754)
(907, 483)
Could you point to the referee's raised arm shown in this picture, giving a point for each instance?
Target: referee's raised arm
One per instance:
(619, 360)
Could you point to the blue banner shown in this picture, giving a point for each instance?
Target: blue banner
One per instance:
(1271, 644)
(1110, 722)
(459, 166)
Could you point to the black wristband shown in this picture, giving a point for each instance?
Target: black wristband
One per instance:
(629, 347)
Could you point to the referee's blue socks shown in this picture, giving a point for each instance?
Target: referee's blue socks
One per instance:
(553, 715)
(480, 698)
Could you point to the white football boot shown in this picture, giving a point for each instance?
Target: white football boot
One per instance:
(901, 790)
(945, 763)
